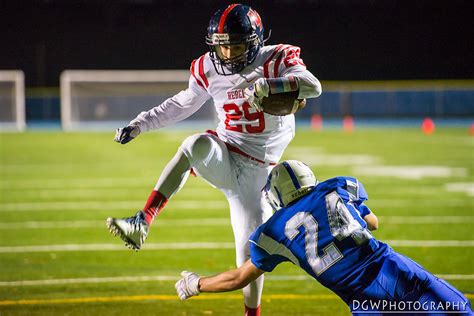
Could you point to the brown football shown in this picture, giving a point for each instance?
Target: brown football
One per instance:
(281, 104)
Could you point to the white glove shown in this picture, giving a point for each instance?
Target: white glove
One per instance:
(256, 92)
(188, 285)
(126, 134)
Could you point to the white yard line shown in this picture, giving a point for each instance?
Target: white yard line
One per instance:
(409, 204)
(426, 219)
(409, 172)
(431, 243)
(85, 183)
(466, 187)
(68, 182)
(101, 224)
(210, 245)
(194, 204)
(174, 278)
(115, 247)
(416, 220)
(107, 205)
(92, 193)
(90, 280)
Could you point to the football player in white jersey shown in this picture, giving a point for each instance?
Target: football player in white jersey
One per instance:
(237, 73)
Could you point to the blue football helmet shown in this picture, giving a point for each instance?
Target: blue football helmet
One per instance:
(236, 24)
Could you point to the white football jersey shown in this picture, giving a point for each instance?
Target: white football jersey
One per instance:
(258, 134)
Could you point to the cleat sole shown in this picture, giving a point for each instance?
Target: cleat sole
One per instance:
(116, 231)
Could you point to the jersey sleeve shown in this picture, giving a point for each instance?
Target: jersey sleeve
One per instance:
(260, 253)
(178, 107)
(364, 210)
(357, 195)
(355, 190)
(286, 61)
(291, 59)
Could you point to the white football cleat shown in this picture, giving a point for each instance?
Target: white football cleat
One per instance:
(133, 230)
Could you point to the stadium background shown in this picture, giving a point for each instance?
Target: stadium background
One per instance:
(340, 40)
(56, 189)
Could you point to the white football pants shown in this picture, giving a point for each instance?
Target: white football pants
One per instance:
(241, 180)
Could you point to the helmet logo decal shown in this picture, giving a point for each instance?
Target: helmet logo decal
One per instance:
(220, 28)
(292, 175)
(254, 17)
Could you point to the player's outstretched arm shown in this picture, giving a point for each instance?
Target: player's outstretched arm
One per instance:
(192, 284)
(126, 134)
(231, 280)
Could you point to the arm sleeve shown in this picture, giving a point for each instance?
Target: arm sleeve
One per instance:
(292, 64)
(174, 109)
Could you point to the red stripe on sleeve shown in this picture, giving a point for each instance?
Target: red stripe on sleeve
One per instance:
(277, 64)
(192, 73)
(267, 62)
(220, 28)
(201, 71)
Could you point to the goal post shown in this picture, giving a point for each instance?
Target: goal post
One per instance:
(12, 100)
(99, 99)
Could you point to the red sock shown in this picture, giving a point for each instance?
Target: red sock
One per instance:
(155, 203)
(252, 311)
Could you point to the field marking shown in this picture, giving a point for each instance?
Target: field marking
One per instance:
(116, 247)
(337, 160)
(65, 183)
(174, 279)
(203, 297)
(90, 193)
(431, 243)
(188, 204)
(426, 219)
(86, 183)
(223, 222)
(210, 245)
(100, 205)
(408, 203)
(466, 187)
(101, 224)
(410, 172)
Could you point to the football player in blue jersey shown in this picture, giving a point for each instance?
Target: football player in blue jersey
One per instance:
(324, 228)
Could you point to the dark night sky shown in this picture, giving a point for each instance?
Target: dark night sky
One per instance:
(340, 40)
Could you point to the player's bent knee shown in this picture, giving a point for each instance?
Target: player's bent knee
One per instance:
(198, 147)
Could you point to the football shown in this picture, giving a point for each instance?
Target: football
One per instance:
(283, 103)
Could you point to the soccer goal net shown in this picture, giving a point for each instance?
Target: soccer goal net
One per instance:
(12, 100)
(102, 99)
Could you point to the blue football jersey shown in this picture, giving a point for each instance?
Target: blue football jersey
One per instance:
(324, 233)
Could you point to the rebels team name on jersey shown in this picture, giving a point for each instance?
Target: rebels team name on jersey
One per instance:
(235, 94)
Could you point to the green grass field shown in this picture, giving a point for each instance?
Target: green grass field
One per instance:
(57, 189)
